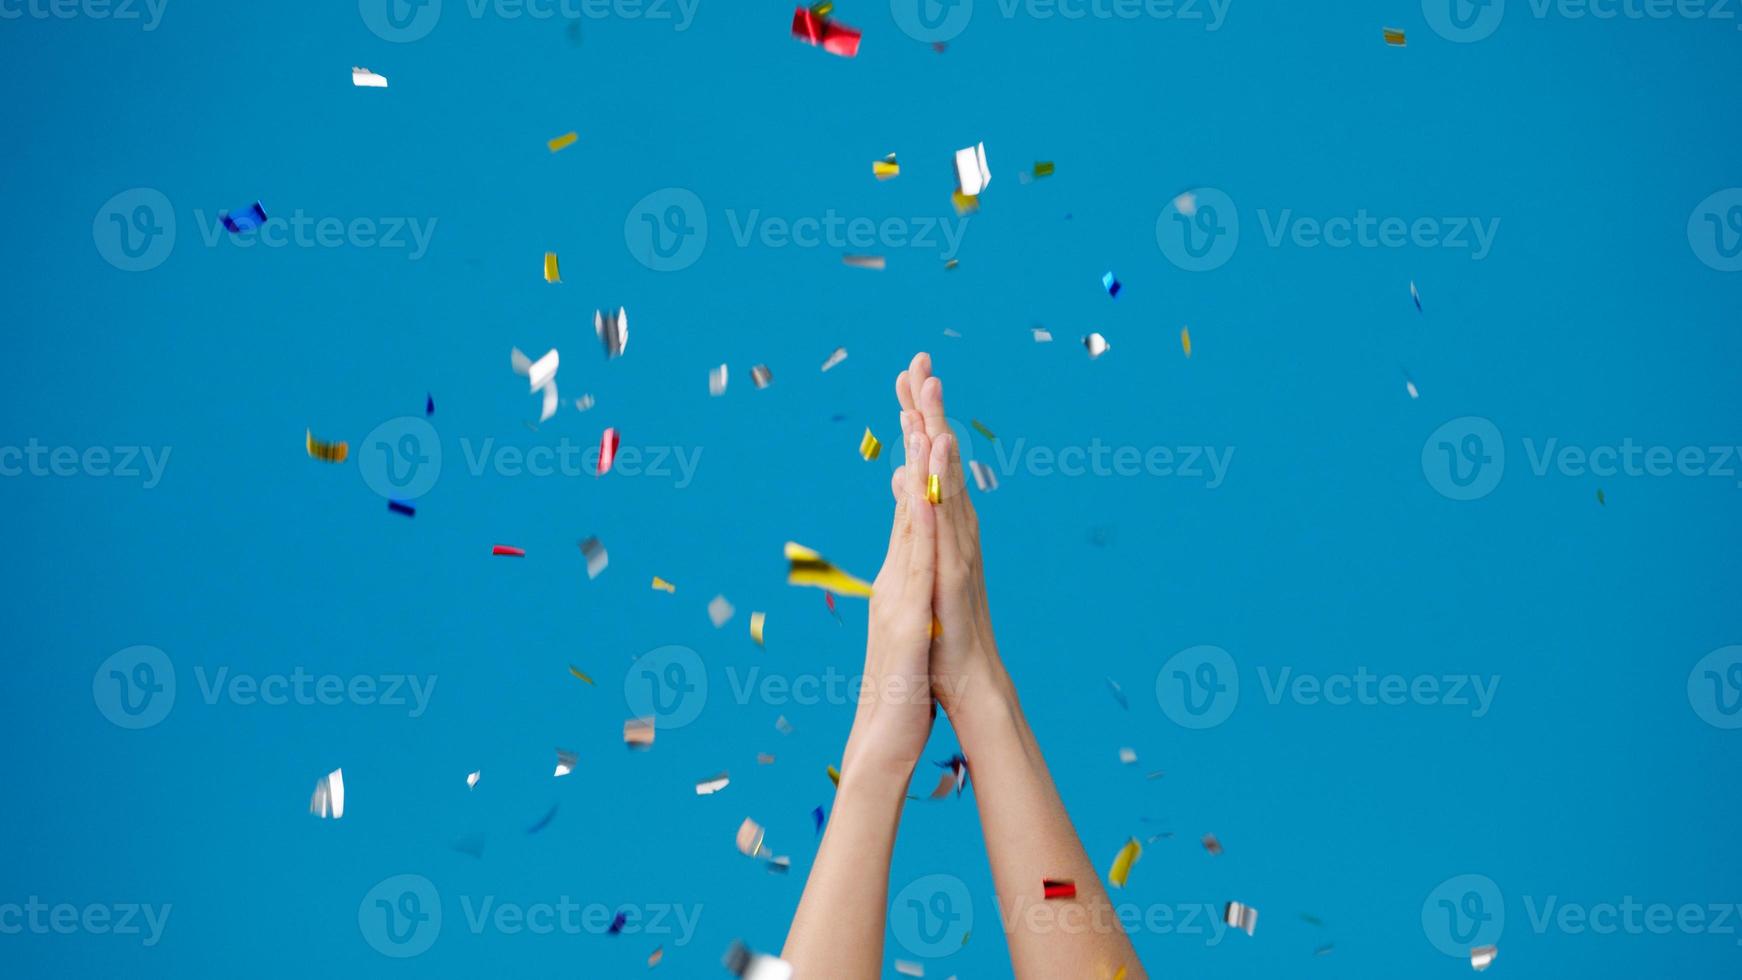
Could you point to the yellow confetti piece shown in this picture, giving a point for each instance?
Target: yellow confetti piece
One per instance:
(550, 271)
(756, 620)
(869, 447)
(951, 264)
(1043, 168)
(562, 141)
(934, 490)
(835, 776)
(886, 168)
(1185, 340)
(664, 586)
(980, 427)
(1127, 856)
(965, 203)
(577, 672)
(806, 567)
(1394, 37)
(937, 628)
(1120, 975)
(326, 452)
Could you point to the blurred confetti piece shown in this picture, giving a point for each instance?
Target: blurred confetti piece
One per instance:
(864, 261)
(869, 447)
(750, 837)
(984, 478)
(965, 204)
(550, 270)
(537, 373)
(980, 427)
(1186, 204)
(756, 621)
(613, 331)
(836, 356)
(1123, 861)
(1053, 888)
(1043, 168)
(1111, 284)
(1481, 956)
(1118, 693)
(1041, 335)
(946, 782)
(638, 733)
(719, 610)
(508, 551)
(819, 32)
(545, 820)
(1185, 340)
(956, 764)
(713, 784)
(717, 381)
(1393, 37)
(329, 797)
(583, 403)
(764, 759)
(565, 762)
(401, 507)
(1096, 345)
(364, 78)
(746, 964)
(654, 957)
(597, 558)
(326, 452)
(806, 567)
(948, 332)
(1600, 501)
(663, 586)
(783, 726)
(607, 450)
(428, 405)
(1409, 386)
(819, 818)
(579, 675)
(835, 776)
(1415, 295)
(951, 264)
(1128, 756)
(972, 173)
(562, 141)
(1243, 917)
(760, 376)
(617, 924)
(247, 219)
(473, 777)
(886, 168)
(779, 865)
(471, 844)
(909, 968)
(1324, 950)
(1211, 844)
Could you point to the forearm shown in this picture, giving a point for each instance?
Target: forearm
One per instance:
(838, 929)
(1029, 839)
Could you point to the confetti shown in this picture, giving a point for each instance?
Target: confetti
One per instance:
(1096, 344)
(597, 558)
(1042, 168)
(984, 479)
(965, 204)
(712, 784)
(473, 777)
(779, 865)
(401, 507)
(782, 725)
(750, 837)
(908, 968)
(835, 776)
(1415, 295)
(617, 924)
(364, 78)
(607, 450)
(1053, 888)
(613, 331)
(329, 797)
(836, 356)
(952, 333)
(945, 783)
(472, 844)
(1128, 756)
(1394, 37)
(1324, 950)
(562, 141)
(806, 567)
(1122, 863)
(543, 821)
(326, 452)
(508, 551)
(761, 376)
(583, 403)
(886, 168)
(1481, 956)
(819, 32)
(1111, 284)
(1243, 917)
(951, 264)
(764, 759)
(565, 763)
(654, 957)
(745, 964)
(1185, 340)
(1211, 844)
(972, 173)
(756, 621)
(980, 427)
(540, 376)
(717, 381)
(638, 733)
(664, 586)
(865, 261)
(934, 490)
(1600, 501)
(1186, 204)
(719, 610)
(248, 219)
(819, 818)
(1041, 335)
(550, 270)
(579, 675)
(1409, 386)
(1118, 693)
(869, 447)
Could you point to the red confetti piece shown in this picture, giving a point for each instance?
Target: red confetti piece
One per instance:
(826, 34)
(509, 550)
(607, 450)
(1059, 889)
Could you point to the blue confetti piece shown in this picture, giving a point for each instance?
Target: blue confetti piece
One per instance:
(249, 219)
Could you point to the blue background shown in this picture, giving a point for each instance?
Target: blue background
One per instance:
(1325, 550)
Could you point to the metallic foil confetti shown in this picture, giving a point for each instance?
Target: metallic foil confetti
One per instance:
(1123, 861)
(972, 173)
(869, 447)
(909, 968)
(1481, 956)
(865, 261)
(836, 356)
(508, 551)
(550, 270)
(1043, 168)
(638, 733)
(806, 567)
(934, 490)
(1243, 917)
(597, 558)
(1041, 335)
(663, 586)
(756, 621)
(835, 776)
(1415, 295)
(819, 818)
(1185, 340)
(583, 403)
(1211, 844)
(1111, 284)
(1055, 888)
(764, 759)
(473, 777)
(1128, 756)
(761, 376)
(562, 141)
(1118, 693)
(886, 168)
(326, 452)
(654, 957)
(713, 784)
(613, 331)
(719, 610)
(717, 381)
(428, 405)
(401, 507)
(745, 964)
(329, 796)
(965, 204)
(364, 78)
(984, 478)
(607, 450)
(579, 674)
(565, 762)
(247, 219)
(951, 264)
(545, 820)
(1394, 37)
(819, 32)
(980, 427)
(1096, 344)
(617, 923)
(750, 835)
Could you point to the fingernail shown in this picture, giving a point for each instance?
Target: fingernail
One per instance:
(934, 490)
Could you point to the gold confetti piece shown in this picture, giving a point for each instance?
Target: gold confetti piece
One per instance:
(1185, 340)
(578, 674)
(835, 776)
(1120, 975)
(934, 490)
(1394, 37)
(750, 837)
(550, 270)
(1243, 917)
(1481, 956)
(663, 586)
(806, 567)
(1043, 168)
(654, 957)
(980, 427)
(966, 204)
(638, 733)
(869, 447)
(865, 261)
(1122, 863)
(951, 264)
(761, 376)
(756, 621)
(713, 784)
(886, 168)
(764, 759)
(562, 141)
(326, 452)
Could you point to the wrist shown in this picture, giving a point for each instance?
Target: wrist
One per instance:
(982, 698)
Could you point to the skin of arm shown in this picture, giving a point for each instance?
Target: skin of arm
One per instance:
(1029, 837)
